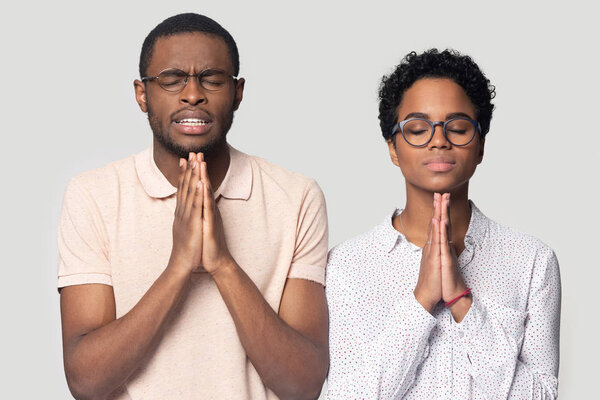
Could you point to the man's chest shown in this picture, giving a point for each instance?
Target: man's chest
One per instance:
(141, 241)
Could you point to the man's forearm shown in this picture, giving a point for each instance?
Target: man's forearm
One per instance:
(289, 363)
(98, 362)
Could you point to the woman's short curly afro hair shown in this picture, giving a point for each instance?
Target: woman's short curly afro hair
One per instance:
(433, 64)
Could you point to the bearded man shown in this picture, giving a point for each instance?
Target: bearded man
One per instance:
(192, 270)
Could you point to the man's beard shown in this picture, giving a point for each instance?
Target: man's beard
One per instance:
(181, 151)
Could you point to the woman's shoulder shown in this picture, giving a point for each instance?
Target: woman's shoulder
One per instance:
(367, 243)
(508, 240)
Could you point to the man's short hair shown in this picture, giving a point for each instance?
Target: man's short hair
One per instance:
(187, 23)
(433, 64)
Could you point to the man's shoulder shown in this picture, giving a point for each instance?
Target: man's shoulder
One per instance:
(106, 178)
(280, 178)
(276, 171)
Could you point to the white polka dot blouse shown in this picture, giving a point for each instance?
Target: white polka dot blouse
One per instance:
(385, 345)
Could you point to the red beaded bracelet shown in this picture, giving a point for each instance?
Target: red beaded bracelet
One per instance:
(454, 300)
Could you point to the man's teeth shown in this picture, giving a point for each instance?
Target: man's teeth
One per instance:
(192, 122)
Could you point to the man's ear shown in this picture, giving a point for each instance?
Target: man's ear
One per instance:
(481, 148)
(392, 149)
(239, 93)
(140, 94)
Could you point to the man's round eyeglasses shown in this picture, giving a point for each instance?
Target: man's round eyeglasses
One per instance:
(418, 132)
(174, 80)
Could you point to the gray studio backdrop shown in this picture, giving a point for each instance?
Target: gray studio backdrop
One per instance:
(310, 105)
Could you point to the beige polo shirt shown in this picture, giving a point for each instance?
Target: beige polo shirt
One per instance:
(116, 229)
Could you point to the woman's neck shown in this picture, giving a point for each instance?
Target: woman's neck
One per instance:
(414, 220)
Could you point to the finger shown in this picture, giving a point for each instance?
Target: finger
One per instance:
(205, 177)
(203, 172)
(448, 217)
(198, 203)
(192, 187)
(182, 167)
(444, 245)
(186, 180)
(445, 215)
(208, 206)
(443, 209)
(437, 211)
(435, 243)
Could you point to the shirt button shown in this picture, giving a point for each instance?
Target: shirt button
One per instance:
(461, 334)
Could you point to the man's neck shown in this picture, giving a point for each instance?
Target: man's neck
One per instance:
(217, 162)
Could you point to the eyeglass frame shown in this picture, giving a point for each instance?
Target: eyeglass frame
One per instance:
(187, 78)
(400, 127)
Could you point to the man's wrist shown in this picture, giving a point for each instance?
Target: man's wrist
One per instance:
(227, 269)
(178, 268)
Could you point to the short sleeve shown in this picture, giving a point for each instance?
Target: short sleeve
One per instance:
(82, 240)
(312, 237)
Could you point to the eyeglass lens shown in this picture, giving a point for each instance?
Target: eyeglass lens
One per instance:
(174, 80)
(458, 131)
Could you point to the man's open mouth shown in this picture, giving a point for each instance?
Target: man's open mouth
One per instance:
(192, 122)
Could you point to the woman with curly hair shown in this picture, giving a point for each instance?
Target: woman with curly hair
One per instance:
(438, 301)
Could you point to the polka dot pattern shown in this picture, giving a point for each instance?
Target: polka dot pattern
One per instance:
(385, 345)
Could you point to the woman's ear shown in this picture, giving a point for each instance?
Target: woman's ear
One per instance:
(481, 148)
(392, 148)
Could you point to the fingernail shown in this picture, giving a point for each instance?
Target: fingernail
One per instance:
(201, 156)
(181, 161)
(191, 157)
(194, 164)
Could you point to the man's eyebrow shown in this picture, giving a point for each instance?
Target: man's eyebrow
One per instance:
(212, 71)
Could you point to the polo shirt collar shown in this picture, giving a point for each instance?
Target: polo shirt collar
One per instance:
(237, 183)
(152, 179)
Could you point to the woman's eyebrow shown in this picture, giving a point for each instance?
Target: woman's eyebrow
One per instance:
(448, 116)
(457, 114)
(417, 115)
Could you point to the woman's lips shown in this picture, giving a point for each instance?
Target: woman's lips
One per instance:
(439, 165)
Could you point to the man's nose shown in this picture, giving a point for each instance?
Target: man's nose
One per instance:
(193, 93)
